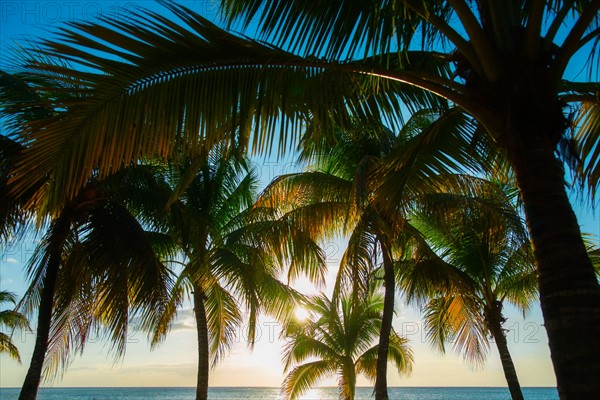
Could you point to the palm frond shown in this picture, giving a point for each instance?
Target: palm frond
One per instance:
(303, 347)
(588, 123)
(454, 319)
(165, 88)
(439, 145)
(340, 30)
(399, 353)
(10, 319)
(223, 317)
(163, 323)
(303, 377)
(7, 346)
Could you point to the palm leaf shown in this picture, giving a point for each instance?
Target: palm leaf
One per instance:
(6, 346)
(223, 317)
(588, 122)
(303, 377)
(146, 95)
(452, 319)
(11, 319)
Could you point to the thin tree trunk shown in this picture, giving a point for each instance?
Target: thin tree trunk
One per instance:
(381, 392)
(347, 383)
(203, 356)
(569, 290)
(494, 321)
(32, 379)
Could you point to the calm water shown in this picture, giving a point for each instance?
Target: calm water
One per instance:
(273, 394)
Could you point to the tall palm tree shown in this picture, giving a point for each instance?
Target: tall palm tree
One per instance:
(341, 338)
(234, 256)
(10, 319)
(505, 67)
(337, 195)
(96, 266)
(474, 257)
(95, 269)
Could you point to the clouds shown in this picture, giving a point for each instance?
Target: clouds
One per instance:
(185, 321)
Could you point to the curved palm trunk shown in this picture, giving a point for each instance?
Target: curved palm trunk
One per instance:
(203, 356)
(569, 290)
(494, 321)
(32, 379)
(381, 392)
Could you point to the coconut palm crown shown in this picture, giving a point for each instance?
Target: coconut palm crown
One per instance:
(340, 340)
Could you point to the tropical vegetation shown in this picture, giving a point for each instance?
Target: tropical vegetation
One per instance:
(96, 268)
(474, 257)
(339, 337)
(106, 98)
(336, 196)
(233, 254)
(10, 319)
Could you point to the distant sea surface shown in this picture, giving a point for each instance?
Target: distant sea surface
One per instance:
(418, 393)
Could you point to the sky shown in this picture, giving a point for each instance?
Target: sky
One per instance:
(174, 362)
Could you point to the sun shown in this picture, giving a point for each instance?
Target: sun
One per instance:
(301, 314)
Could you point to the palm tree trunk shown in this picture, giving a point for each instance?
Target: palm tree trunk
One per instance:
(569, 290)
(32, 379)
(203, 356)
(31, 384)
(381, 392)
(347, 379)
(494, 321)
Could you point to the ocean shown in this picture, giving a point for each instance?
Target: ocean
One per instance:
(362, 393)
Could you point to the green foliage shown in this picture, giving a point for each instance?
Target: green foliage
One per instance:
(234, 252)
(340, 337)
(10, 319)
(110, 271)
(475, 254)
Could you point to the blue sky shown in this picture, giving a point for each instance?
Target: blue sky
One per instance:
(174, 363)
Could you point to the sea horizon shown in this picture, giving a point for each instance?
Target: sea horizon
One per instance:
(274, 393)
(269, 387)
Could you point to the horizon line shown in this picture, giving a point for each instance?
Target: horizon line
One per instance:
(268, 387)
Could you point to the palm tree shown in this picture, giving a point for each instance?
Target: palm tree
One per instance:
(96, 266)
(10, 319)
(505, 67)
(373, 234)
(94, 271)
(474, 257)
(337, 196)
(341, 338)
(234, 254)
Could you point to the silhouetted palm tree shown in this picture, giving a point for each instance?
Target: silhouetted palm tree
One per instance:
(474, 257)
(337, 195)
(95, 269)
(340, 338)
(234, 255)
